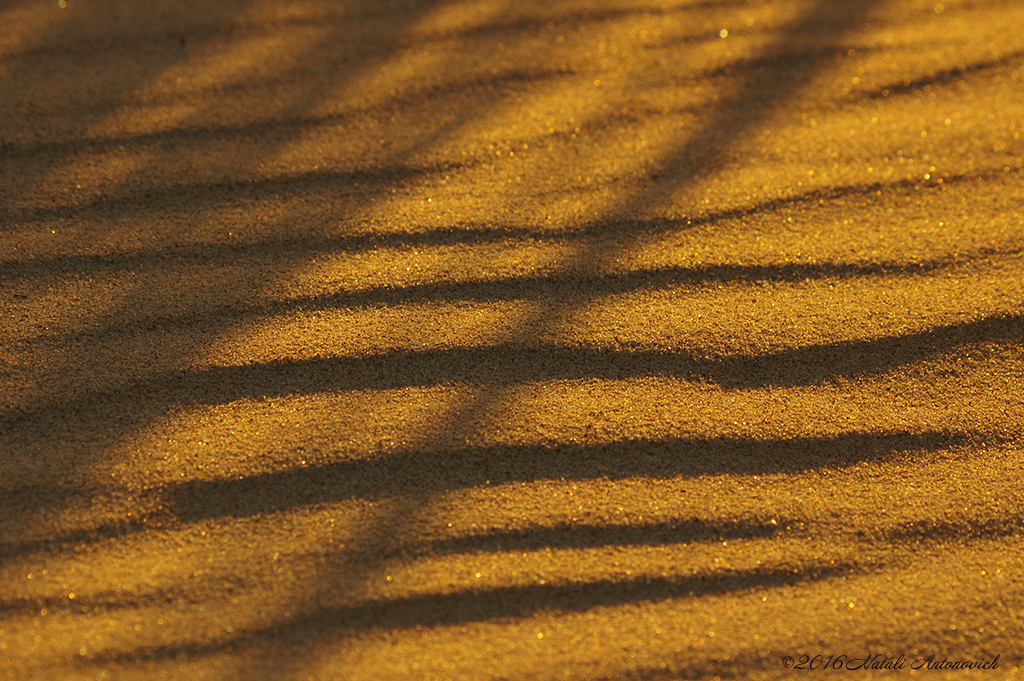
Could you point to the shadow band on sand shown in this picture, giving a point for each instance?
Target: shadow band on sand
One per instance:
(425, 473)
(506, 365)
(300, 247)
(503, 603)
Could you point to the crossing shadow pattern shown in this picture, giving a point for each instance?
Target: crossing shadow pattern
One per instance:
(790, 60)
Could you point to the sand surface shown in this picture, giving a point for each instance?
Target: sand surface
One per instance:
(422, 339)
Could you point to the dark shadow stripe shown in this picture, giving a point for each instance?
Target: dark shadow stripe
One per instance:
(934, 531)
(271, 128)
(229, 27)
(222, 587)
(580, 536)
(76, 539)
(534, 539)
(576, 19)
(908, 86)
(198, 196)
(296, 248)
(538, 287)
(488, 605)
(773, 66)
(508, 365)
(422, 473)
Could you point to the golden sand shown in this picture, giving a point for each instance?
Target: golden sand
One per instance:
(511, 340)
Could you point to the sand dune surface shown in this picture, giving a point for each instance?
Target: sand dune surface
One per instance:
(479, 339)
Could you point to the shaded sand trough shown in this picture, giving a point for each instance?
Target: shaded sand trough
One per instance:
(509, 340)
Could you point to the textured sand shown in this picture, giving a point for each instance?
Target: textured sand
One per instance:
(413, 339)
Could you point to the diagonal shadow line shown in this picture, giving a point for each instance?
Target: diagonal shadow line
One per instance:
(215, 254)
(115, 600)
(539, 287)
(758, 65)
(425, 472)
(942, 77)
(577, 18)
(508, 364)
(582, 536)
(198, 196)
(74, 539)
(562, 536)
(933, 531)
(484, 605)
(577, 536)
(227, 25)
(281, 124)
